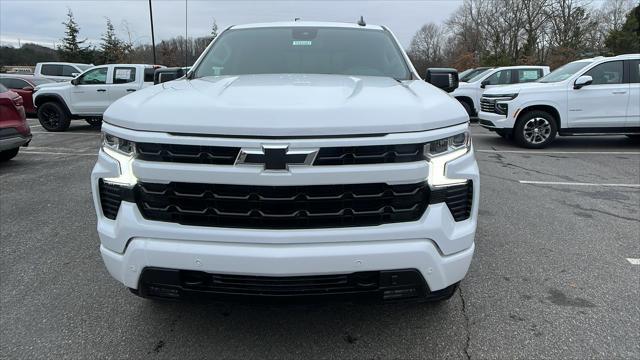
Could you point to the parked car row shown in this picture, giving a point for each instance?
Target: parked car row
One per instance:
(474, 82)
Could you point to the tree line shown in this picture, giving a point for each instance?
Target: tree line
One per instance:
(528, 32)
(176, 51)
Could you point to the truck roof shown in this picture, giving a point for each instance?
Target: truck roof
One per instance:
(353, 25)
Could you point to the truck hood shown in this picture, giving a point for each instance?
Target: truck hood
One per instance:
(287, 105)
(53, 85)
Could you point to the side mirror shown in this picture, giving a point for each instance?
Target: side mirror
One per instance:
(484, 83)
(74, 81)
(582, 81)
(28, 88)
(443, 78)
(167, 74)
(75, 74)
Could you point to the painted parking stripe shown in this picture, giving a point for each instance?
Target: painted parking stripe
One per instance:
(64, 133)
(633, 261)
(85, 150)
(576, 183)
(55, 153)
(560, 152)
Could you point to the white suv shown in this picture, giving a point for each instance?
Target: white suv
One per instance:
(470, 91)
(599, 96)
(296, 159)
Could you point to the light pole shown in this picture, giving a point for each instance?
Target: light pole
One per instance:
(153, 40)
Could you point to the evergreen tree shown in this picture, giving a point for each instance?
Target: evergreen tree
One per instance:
(112, 49)
(71, 49)
(214, 30)
(626, 40)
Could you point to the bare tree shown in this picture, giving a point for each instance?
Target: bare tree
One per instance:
(426, 47)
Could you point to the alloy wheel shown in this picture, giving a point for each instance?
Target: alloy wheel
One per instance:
(537, 130)
(51, 117)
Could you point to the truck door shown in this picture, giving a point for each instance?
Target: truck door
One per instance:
(125, 80)
(89, 96)
(604, 102)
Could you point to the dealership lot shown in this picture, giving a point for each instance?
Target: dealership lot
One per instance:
(555, 272)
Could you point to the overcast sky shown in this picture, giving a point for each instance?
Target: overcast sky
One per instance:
(40, 20)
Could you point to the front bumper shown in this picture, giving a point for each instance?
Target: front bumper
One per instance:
(494, 121)
(437, 246)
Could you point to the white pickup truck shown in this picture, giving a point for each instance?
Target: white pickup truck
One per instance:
(295, 160)
(470, 91)
(88, 95)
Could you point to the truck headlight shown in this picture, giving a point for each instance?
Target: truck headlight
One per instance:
(439, 152)
(123, 151)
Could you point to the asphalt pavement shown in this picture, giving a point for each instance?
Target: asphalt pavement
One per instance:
(553, 276)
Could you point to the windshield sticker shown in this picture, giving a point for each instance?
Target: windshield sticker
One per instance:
(123, 74)
(301, 42)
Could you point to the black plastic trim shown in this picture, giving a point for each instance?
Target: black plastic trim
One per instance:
(369, 286)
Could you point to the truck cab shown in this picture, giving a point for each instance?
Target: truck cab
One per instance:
(89, 94)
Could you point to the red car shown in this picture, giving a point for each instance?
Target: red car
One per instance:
(24, 85)
(14, 130)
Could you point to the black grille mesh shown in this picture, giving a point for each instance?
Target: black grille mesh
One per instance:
(379, 154)
(110, 199)
(220, 155)
(282, 207)
(459, 199)
(195, 154)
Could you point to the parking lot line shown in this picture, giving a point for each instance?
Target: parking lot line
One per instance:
(25, 151)
(633, 261)
(576, 183)
(535, 152)
(64, 133)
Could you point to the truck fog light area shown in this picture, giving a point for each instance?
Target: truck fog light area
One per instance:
(502, 108)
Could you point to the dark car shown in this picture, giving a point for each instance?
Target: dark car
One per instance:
(14, 130)
(24, 85)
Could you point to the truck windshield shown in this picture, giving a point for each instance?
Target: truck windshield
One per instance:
(470, 74)
(477, 76)
(564, 72)
(304, 50)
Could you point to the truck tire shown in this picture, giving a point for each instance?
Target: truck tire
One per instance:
(467, 106)
(53, 117)
(535, 130)
(94, 122)
(8, 154)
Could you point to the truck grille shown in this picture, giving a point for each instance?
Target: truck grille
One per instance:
(221, 155)
(378, 154)
(282, 207)
(487, 105)
(194, 154)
